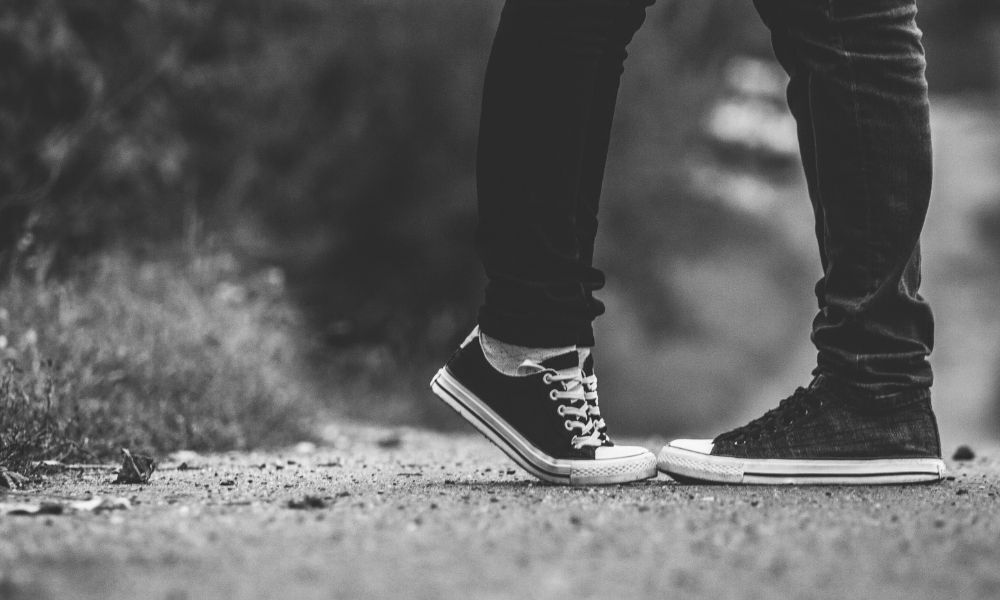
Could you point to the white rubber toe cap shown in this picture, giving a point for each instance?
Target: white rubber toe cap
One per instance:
(699, 446)
(612, 452)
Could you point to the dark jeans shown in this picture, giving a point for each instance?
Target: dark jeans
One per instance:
(859, 96)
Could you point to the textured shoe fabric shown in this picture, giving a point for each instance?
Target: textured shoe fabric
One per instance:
(826, 433)
(540, 420)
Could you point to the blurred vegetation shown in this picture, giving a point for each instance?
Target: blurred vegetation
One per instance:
(150, 355)
(327, 137)
(333, 141)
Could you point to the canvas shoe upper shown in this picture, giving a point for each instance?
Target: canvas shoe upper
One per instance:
(825, 433)
(540, 419)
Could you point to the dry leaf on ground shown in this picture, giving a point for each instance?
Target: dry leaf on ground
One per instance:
(136, 468)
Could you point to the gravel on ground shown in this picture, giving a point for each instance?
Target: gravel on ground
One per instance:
(376, 513)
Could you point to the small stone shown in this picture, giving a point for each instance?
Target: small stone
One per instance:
(963, 452)
(393, 440)
(306, 503)
(575, 520)
(961, 492)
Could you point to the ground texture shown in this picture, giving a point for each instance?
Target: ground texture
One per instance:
(375, 513)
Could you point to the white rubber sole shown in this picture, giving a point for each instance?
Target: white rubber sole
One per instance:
(684, 464)
(553, 470)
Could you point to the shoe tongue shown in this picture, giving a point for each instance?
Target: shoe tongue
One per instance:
(567, 360)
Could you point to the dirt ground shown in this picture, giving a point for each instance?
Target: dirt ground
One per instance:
(375, 513)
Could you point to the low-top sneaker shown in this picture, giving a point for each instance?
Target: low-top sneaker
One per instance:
(540, 418)
(827, 433)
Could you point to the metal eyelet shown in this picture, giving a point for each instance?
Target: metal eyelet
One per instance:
(547, 378)
(552, 395)
(567, 425)
(561, 410)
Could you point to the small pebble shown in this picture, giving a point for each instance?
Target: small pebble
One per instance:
(307, 502)
(390, 441)
(963, 452)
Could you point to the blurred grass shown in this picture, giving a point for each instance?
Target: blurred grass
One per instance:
(174, 353)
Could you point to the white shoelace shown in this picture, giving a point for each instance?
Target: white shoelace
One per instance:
(590, 394)
(574, 389)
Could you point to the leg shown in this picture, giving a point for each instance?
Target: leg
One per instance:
(550, 93)
(859, 95)
(596, 143)
(547, 102)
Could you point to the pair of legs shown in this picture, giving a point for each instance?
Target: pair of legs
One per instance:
(859, 96)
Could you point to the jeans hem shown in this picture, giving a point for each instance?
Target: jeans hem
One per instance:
(536, 334)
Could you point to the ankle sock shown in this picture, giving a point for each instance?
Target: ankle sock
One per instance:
(507, 358)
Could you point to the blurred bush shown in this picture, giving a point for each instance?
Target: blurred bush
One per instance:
(328, 137)
(156, 355)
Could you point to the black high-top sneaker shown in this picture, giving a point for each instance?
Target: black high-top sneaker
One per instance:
(824, 434)
(590, 395)
(541, 420)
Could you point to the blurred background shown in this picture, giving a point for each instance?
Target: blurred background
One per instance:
(218, 220)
